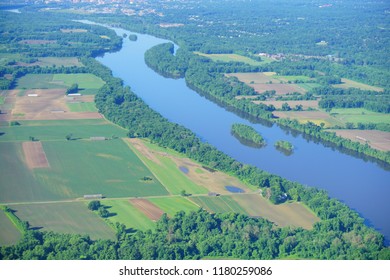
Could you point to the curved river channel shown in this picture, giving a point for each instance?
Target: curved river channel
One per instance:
(363, 185)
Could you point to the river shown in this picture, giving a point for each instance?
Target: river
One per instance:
(363, 185)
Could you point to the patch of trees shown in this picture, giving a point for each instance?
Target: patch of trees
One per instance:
(74, 88)
(247, 133)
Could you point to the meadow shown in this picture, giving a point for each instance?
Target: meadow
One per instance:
(346, 83)
(174, 204)
(355, 115)
(82, 107)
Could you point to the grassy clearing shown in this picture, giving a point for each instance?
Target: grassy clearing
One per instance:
(231, 57)
(355, 115)
(9, 233)
(65, 217)
(82, 107)
(287, 214)
(219, 204)
(127, 214)
(172, 205)
(346, 83)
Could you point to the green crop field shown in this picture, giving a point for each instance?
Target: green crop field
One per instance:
(58, 130)
(106, 167)
(34, 81)
(346, 83)
(59, 61)
(125, 213)
(355, 115)
(219, 204)
(87, 83)
(82, 107)
(17, 183)
(84, 81)
(66, 217)
(9, 234)
(172, 205)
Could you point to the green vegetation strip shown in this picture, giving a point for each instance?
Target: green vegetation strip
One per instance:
(11, 228)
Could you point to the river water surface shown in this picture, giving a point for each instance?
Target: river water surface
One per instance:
(362, 185)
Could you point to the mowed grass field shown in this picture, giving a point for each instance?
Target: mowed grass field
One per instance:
(65, 217)
(125, 213)
(9, 234)
(82, 107)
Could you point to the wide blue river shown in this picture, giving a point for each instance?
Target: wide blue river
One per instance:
(363, 185)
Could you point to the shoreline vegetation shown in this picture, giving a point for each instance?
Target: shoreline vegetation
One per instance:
(247, 135)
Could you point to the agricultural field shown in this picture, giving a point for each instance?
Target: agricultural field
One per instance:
(125, 213)
(9, 234)
(230, 57)
(88, 83)
(82, 107)
(346, 83)
(356, 115)
(58, 130)
(287, 214)
(268, 81)
(379, 140)
(174, 204)
(52, 61)
(147, 208)
(65, 217)
(316, 117)
(218, 204)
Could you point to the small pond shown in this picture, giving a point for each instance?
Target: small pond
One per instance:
(234, 189)
(184, 169)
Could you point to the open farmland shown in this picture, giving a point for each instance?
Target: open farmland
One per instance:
(149, 209)
(178, 173)
(65, 217)
(58, 129)
(287, 214)
(174, 204)
(346, 83)
(316, 117)
(231, 57)
(379, 140)
(355, 115)
(88, 83)
(268, 81)
(50, 61)
(218, 204)
(37, 81)
(125, 213)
